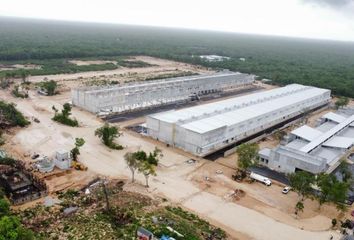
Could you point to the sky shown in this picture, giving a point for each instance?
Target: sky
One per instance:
(323, 19)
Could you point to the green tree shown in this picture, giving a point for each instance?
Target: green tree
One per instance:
(64, 116)
(24, 75)
(299, 207)
(247, 155)
(301, 182)
(147, 169)
(11, 229)
(49, 87)
(332, 190)
(108, 134)
(341, 102)
(345, 171)
(10, 116)
(4, 207)
(132, 162)
(147, 163)
(79, 142)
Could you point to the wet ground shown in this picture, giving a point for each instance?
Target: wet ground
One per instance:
(178, 105)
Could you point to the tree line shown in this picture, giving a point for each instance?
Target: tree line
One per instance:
(326, 64)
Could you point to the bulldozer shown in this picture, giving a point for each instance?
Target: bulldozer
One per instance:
(78, 166)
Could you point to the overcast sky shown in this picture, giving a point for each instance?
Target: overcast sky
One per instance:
(328, 19)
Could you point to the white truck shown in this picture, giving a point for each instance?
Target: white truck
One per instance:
(260, 178)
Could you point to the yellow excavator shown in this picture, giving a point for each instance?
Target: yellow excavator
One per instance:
(78, 166)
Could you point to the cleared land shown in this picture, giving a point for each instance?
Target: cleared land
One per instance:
(91, 62)
(261, 213)
(160, 67)
(6, 67)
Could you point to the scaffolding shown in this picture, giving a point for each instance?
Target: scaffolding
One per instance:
(128, 97)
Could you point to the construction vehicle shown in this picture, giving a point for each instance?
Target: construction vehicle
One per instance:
(78, 166)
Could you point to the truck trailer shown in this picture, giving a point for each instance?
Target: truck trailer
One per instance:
(260, 178)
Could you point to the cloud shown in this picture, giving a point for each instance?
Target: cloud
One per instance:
(331, 3)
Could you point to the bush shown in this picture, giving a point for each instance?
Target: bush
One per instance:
(11, 229)
(49, 86)
(11, 116)
(334, 222)
(66, 121)
(18, 94)
(107, 134)
(7, 161)
(63, 117)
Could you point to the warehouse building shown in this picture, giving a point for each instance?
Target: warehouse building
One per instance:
(314, 150)
(128, 97)
(204, 129)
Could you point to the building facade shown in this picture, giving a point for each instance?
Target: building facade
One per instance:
(314, 150)
(128, 97)
(204, 129)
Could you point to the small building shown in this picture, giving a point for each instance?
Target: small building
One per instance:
(314, 150)
(21, 185)
(62, 159)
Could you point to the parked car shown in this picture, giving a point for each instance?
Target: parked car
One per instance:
(286, 190)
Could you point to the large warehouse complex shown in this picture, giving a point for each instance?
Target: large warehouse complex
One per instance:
(313, 150)
(204, 129)
(127, 97)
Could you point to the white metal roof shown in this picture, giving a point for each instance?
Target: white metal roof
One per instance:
(297, 144)
(334, 117)
(216, 108)
(324, 127)
(327, 135)
(251, 112)
(265, 152)
(307, 133)
(339, 142)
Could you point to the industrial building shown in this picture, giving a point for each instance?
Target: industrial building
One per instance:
(314, 150)
(204, 129)
(128, 97)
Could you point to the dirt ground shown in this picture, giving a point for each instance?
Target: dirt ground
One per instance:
(261, 213)
(159, 66)
(90, 62)
(5, 67)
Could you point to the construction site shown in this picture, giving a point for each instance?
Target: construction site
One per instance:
(205, 129)
(229, 108)
(129, 97)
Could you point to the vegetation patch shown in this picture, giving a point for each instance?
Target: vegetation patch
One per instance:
(17, 93)
(48, 87)
(108, 134)
(64, 116)
(125, 213)
(10, 116)
(133, 63)
(324, 64)
(172, 75)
